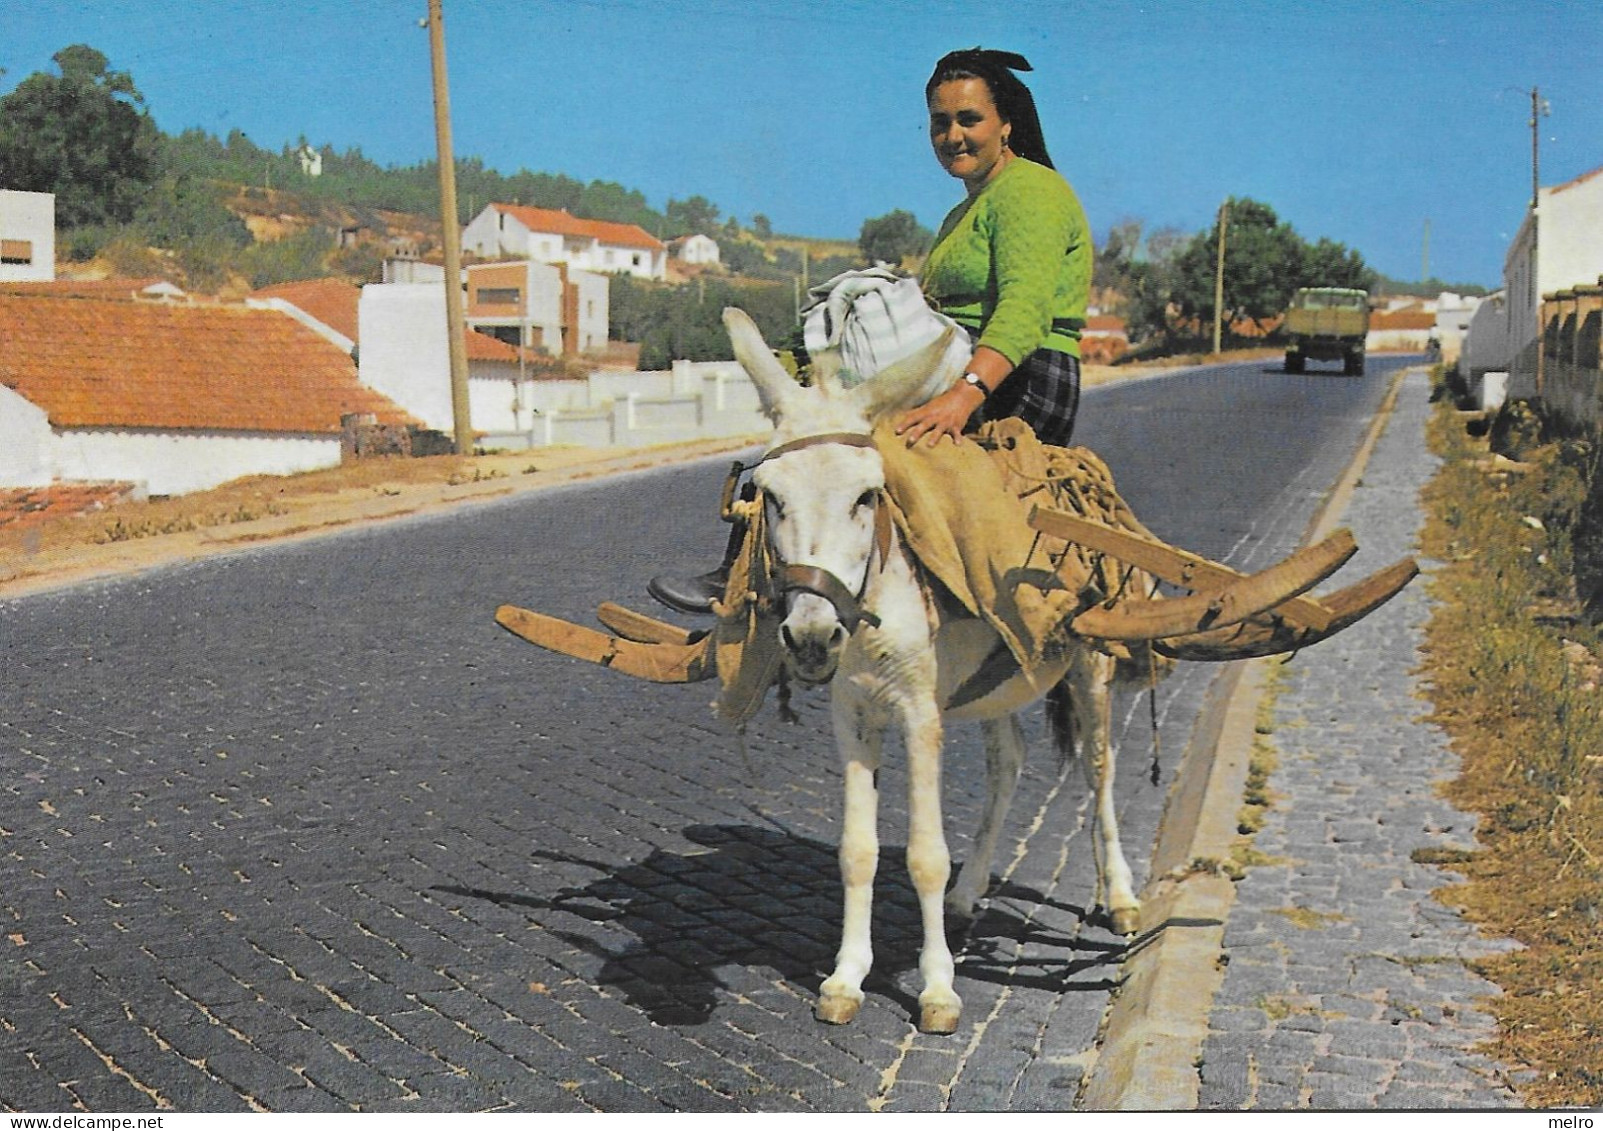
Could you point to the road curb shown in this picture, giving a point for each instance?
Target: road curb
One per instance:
(1153, 1036)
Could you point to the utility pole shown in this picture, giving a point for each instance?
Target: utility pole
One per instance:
(454, 323)
(1539, 110)
(1219, 277)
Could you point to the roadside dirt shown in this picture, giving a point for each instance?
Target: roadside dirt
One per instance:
(131, 536)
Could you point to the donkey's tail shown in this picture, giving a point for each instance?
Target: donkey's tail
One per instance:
(1060, 722)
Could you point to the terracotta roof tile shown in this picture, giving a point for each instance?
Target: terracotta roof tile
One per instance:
(1408, 318)
(125, 290)
(94, 363)
(564, 223)
(22, 507)
(333, 302)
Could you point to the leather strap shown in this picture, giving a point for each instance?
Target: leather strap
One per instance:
(822, 583)
(849, 439)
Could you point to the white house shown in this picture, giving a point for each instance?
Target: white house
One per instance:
(27, 236)
(1453, 315)
(172, 396)
(404, 356)
(695, 249)
(556, 236)
(1558, 247)
(545, 306)
(1486, 347)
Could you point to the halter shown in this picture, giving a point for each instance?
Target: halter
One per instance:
(814, 579)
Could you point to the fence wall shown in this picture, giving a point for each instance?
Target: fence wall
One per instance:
(1569, 364)
(693, 401)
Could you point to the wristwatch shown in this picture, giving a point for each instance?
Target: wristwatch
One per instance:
(973, 379)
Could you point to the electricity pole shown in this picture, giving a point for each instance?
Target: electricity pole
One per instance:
(1219, 277)
(454, 324)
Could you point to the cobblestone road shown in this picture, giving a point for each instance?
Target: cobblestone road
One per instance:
(303, 830)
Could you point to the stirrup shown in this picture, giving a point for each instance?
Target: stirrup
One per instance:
(689, 594)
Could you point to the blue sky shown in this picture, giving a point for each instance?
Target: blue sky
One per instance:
(1360, 120)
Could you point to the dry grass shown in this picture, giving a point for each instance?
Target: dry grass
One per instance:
(1508, 668)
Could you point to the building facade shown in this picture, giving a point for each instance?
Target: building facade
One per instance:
(27, 236)
(556, 236)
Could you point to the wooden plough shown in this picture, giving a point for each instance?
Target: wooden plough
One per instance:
(1227, 615)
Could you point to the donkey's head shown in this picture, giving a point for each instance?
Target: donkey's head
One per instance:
(822, 483)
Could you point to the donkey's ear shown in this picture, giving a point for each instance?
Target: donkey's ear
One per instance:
(915, 378)
(774, 385)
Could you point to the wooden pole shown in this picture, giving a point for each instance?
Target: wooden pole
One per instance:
(1219, 278)
(452, 234)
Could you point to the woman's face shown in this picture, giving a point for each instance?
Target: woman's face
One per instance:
(966, 131)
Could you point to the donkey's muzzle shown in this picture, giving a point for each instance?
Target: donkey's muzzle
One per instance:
(822, 583)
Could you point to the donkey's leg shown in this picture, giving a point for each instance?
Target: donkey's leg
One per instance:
(1004, 758)
(860, 743)
(929, 863)
(1091, 681)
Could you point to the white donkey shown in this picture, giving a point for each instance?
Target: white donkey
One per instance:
(857, 616)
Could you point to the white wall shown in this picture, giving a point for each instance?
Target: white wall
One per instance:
(482, 234)
(404, 354)
(594, 294)
(175, 463)
(1569, 251)
(1486, 342)
(25, 440)
(29, 216)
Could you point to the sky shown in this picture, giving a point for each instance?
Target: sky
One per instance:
(1400, 128)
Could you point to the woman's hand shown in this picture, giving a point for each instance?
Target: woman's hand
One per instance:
(944, 415)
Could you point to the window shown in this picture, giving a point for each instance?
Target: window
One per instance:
(16, 251)
(498, 296)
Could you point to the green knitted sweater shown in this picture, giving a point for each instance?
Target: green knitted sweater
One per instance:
(1014, 261)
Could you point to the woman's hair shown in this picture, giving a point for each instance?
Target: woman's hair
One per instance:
(1013, 100)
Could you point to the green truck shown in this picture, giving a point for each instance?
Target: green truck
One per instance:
(1327, 324)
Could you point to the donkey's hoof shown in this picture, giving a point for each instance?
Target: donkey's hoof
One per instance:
(837, 1009)
(939, 1017)
(1125, 921)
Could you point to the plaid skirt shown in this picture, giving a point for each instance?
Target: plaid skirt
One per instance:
(1044, 392)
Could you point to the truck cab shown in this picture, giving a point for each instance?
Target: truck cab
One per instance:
(1327, 324)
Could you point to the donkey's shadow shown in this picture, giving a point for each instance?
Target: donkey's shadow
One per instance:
(755, 897)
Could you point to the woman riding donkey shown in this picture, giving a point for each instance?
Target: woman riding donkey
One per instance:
(1011, 265)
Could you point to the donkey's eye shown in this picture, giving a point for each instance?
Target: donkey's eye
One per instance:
(777, 505)
(866, 499)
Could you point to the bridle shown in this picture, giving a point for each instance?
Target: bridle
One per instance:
(815, 579)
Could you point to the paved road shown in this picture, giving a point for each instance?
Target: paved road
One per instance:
(302, 830)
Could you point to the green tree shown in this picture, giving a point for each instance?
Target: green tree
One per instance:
(84, 135)
(762, 227)
(698, 214)
(893, 237)
(1172, 292)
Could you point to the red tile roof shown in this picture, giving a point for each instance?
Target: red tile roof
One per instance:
(1408, 318)
(333, 302)
(1577, 181)
(564, 223)
(22, 507)
(126, 290)
(93, 363)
